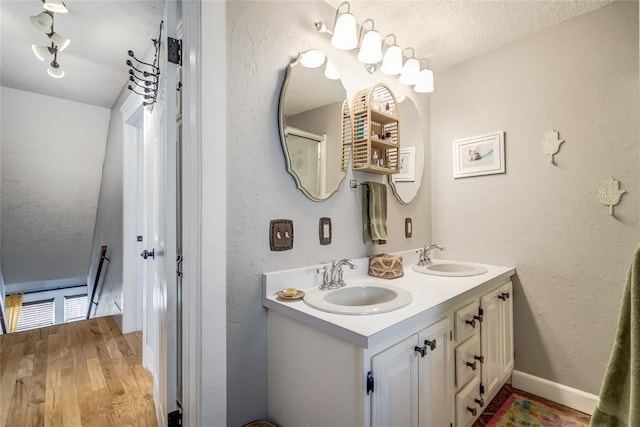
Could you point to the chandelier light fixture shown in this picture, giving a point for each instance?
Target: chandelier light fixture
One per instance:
(44, 22)
(344, 36)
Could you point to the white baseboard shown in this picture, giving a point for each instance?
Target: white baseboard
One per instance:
(567, 396)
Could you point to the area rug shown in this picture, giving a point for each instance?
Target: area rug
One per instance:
(518, 411)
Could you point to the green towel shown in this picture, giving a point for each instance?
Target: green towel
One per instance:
(374, 212)
(620, 393)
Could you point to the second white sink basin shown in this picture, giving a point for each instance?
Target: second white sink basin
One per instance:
(370, 298)
(451, 269)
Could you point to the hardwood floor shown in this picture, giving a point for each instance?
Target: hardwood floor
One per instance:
(78, 374)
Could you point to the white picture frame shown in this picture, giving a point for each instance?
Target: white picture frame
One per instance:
(406, 165)
(479, 155)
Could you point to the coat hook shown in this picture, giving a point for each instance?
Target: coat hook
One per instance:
(610, 193)
(551, 144)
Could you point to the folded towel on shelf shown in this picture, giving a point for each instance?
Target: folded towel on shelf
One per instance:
(374, 212)
(620, 393)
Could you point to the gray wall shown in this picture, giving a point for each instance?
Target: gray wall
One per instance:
(263, 37)
(108, 228)
(52, 154)
(581, 79)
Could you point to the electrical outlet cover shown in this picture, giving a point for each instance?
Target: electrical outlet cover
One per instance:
(281, 235)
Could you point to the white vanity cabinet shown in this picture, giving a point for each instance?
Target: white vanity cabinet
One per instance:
(412, 381)
(419, 366)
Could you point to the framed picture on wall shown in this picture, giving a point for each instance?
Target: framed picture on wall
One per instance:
(480, 155)
(407, 165)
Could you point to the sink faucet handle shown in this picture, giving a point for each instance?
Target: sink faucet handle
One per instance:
(325, 270)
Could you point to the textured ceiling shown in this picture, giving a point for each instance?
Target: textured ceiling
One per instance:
(101, 33)
(450, 32)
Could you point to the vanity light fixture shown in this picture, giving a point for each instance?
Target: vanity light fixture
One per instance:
(392, 60)
(344, 36)
(370, 45)
(425, 81)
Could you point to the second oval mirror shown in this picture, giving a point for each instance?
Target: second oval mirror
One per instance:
(406, 183)
(313, 117)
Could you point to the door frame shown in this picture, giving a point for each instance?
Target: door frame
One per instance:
(204, 214)
(132, 302)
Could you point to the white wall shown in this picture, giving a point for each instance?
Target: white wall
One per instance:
(263, 37)
(108, 227)
(581, 79)
(52, 153)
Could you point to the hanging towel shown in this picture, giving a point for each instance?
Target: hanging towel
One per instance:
(374, 212)
(620, 393)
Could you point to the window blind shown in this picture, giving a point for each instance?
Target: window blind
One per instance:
(36, 314)
(75, 308)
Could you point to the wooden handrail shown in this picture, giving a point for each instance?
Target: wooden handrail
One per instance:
(103, 257)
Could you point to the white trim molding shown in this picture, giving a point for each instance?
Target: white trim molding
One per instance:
(565, 395)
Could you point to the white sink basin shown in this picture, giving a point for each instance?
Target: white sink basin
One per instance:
(450, 269)
(369, 298)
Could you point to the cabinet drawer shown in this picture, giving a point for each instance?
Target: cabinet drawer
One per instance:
(469, 403)
(468, 360)
(467, 321)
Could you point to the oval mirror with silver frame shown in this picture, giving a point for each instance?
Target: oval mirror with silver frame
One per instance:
(406, 183)
(311, 122)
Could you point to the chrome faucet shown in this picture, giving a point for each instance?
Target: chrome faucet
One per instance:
(425, 254)
(332, 275)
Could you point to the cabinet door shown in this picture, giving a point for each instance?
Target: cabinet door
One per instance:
(395, 396)
(436, 375)
(497, 337)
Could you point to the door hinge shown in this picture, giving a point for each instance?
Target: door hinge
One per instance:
(179, 266)
(369, 383)
(174, 50)
(481, 388)
(174, 419)
(450, 334)
(480, 312)
(138, 238)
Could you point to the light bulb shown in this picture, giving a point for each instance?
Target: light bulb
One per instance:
(371, 48)
(392, 61)
(345, 33)
(410, 72)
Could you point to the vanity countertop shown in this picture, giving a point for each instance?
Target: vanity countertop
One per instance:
(429, 294)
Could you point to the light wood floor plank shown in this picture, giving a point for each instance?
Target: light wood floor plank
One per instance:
(78, 374)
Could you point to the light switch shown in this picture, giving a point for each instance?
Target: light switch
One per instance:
(325, 231)
(408, 228)
(281, 235)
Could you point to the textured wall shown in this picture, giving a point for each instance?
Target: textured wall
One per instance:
(52, 154)
(108, 229)
(581, 79)
(263, 37)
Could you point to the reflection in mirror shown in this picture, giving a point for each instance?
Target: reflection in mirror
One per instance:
(310, 117)
(406, 183)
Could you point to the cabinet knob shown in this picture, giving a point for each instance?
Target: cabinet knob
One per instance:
(471, 322)
(473, 411)
(422, 350)
(504, 296)
(479, 402)
(472, 365)
(479, 358)
(430, 344)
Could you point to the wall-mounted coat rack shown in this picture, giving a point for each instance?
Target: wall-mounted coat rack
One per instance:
(145, 76)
